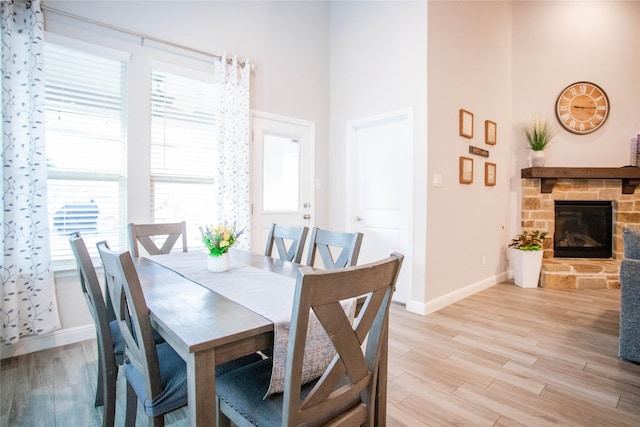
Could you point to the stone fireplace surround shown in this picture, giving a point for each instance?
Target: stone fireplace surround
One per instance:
(542, 186)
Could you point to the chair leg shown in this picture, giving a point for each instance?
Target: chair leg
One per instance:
(99, 387)
(132, 406)
(109, 410)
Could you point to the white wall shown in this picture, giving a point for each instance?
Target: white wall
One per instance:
(379, 65)
(469, 68)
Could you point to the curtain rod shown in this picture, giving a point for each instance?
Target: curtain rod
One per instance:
(142, 36)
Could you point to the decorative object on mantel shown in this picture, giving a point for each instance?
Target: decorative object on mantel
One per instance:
(526, 258)
(466, 170)
(218, 240)
(466, 124)
(582, 107)
(539, 133)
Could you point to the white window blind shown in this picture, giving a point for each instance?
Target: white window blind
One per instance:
(183, 151)
(85, 139)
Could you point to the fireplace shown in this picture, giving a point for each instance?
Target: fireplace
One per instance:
(583, 229)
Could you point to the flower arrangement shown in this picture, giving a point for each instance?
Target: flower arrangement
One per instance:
(219, 239)
(539, 133)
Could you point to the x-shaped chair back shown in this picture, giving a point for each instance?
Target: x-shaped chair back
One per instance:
(336, 249)
(145, 234)
(350, 381)
(281, 235)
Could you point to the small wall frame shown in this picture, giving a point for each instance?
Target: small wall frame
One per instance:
(466, 170)
(466, 124)
(490, 132)
(489, 174)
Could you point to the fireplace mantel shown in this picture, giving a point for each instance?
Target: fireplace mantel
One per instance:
(630, 176)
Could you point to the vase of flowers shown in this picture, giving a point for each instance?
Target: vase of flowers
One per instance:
(218, 240)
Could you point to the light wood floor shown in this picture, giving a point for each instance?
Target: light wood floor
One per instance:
(503, 357)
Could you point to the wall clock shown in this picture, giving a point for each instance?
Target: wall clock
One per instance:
(582, 107)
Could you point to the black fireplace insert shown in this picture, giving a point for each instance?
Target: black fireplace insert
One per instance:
(583, 229)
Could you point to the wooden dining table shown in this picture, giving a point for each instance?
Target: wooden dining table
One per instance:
(207, 329)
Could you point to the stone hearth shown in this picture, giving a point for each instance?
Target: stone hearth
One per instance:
(538, 213)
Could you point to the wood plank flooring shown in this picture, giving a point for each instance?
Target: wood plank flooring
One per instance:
(505, 356)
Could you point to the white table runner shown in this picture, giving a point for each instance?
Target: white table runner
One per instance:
(268, 294)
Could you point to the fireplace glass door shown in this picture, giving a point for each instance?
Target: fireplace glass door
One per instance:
(583, 229)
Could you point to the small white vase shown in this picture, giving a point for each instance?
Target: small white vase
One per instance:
(537, 159)
(218, 264)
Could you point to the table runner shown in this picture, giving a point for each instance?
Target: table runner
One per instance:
(268, 294)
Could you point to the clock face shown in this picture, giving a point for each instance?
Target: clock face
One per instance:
(582, 107)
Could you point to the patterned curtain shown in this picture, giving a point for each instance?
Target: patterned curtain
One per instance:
(233, 143)
(27, 305)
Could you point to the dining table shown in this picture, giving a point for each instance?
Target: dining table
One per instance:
(212, 318)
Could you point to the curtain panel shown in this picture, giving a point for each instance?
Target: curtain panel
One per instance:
(27, 299)
(233, 142)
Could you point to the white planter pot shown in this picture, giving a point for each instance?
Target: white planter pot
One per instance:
(537, 159)
(218, 264)
(526, 267)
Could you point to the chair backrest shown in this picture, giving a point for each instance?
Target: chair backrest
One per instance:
(143, 233)
(326, 242)
(132, 315)
(347, 389)
(281, 235)
(101, 312)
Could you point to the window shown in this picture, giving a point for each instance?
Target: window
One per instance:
(85, 139)
(183, 150)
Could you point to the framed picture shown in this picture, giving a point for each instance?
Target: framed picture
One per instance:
(489, 174)
(466, 170)
(490, 132)
(466, 123)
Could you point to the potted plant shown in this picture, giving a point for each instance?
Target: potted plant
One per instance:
(219, 240)
(539, 133)
(526, 258)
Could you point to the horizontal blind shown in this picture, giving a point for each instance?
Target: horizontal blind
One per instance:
(85, 140)
(183, 151)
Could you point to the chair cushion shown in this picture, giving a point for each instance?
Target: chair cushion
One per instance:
(237, 363)
(631, 242)
(173, 371)
(244, 389)
(116, 338)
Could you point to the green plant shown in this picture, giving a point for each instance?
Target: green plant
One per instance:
(219, 239)
(539, 133)
(528, 241)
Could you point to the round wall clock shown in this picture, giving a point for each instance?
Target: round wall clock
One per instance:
(582, 107)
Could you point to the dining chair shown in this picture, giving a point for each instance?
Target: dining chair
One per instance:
(281, 235)
(345, 394)
(144, 234)
(155, 374)
(110, 345)
(327, 242)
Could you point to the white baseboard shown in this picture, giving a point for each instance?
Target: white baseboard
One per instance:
(443, 301)
(42, 342)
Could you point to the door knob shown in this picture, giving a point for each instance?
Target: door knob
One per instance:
(306, 216)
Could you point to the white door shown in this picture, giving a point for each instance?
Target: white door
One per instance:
(282, 174)
(380, 189)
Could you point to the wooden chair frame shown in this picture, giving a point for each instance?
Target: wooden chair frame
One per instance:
(143, 234)
(102, 313)
(278, 237)
(323, 241)
(345, 393)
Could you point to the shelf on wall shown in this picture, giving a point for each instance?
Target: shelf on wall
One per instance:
(630, 176)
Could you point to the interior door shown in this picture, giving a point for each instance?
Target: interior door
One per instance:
(380, 190)
(282, 173)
